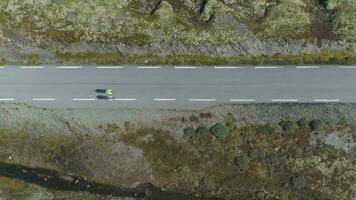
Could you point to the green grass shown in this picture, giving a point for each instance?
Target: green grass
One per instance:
(324, 57)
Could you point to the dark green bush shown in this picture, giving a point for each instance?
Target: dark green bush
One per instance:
(315, 125)
(297, 182)
(202, 131)
(189, 131)
(220, 130)
(302, 123)
(288, 125)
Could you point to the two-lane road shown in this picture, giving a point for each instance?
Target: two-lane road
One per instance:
(183, 87)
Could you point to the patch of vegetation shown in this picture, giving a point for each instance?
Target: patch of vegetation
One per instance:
(111, 128)
(3, 61)
(189, 132)
(34, 59)
(193, 119)
(315, 125)
(202, 131)
(206, 115)
(166, 156)
(242, 162)
(254, 161)
(137, 39)
(324, 57)
(288, 125)
(220, 130)
(302, 123)
(266, 129)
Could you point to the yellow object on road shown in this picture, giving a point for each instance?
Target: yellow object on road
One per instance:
(109, 92)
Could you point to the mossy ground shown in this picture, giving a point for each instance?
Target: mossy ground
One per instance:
(68, 27)
(252, 162)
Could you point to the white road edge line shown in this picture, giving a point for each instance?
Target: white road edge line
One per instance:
(242, 100)
(326, 100)
(148, 67)
(202, 100)
(109, 67)
(228, 67)
(2, 67)
(32, 67)
(7, 99)
(83, 99)
(69, 67)
(186, 67)
(159, 99)
(269, 67)
(43, 99)
(284, 100)
(124, 99)
(307, 67)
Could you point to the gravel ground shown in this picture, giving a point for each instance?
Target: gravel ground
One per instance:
(19, 117)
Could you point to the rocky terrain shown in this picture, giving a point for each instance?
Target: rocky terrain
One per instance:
(262, 151)
(177, 31)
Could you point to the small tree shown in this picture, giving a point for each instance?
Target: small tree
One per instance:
(220, 130)
(189, 131)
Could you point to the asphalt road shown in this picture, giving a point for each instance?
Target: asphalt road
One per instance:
(175, 87)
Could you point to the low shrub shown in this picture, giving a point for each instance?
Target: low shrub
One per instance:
(189, 131)
(206, 115)
(242, 162)
(193, 119)
(111, 128)
(302, 123)
(315, 125)
(288, 125)
(202, 131)
(220, 130)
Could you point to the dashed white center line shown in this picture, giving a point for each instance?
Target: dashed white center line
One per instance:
(125, 99)
(43, 99)
(269, 67)
(202, 100)
(149, 67)
(228, 67)
(32, 67)
(326, 100)
(109, 67)
(69, 67)
(347, 67)
(83, 99)
(186, 67)
(7, 99)
(242, 100)
(159, 99)
(308, 67)
(284, 100)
